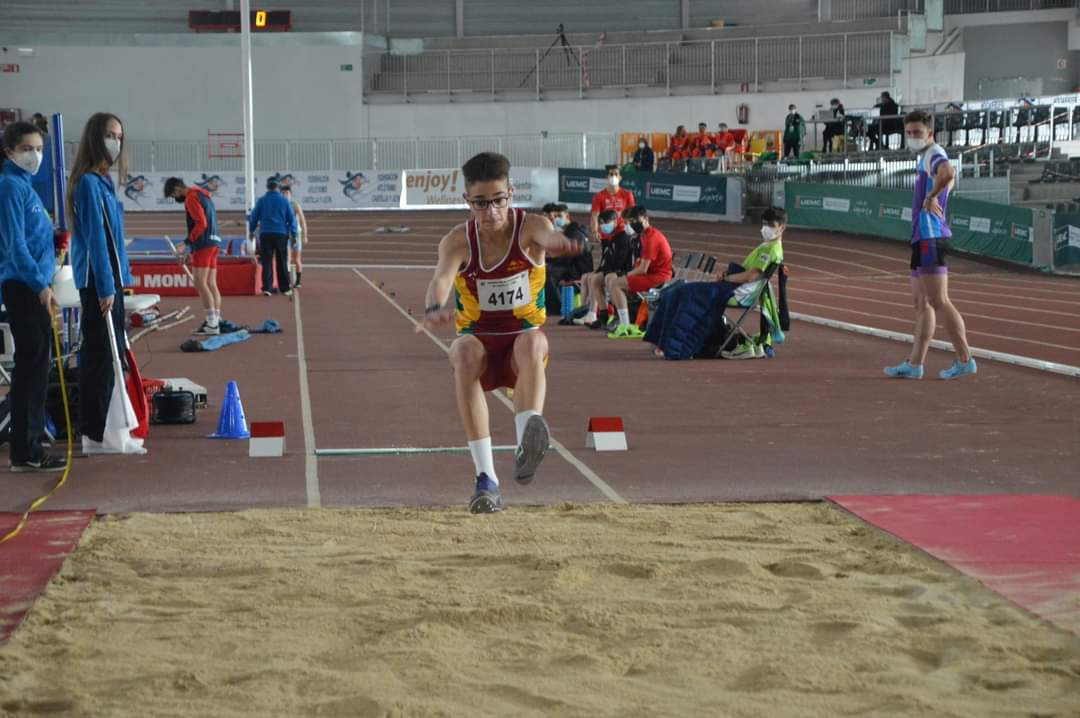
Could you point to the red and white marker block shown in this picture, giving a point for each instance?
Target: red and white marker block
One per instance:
(267, 439)
(606, 433)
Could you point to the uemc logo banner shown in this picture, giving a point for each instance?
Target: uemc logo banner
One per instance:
(575, 183)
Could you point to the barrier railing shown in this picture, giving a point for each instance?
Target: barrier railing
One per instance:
(548, 150)
(838, 59)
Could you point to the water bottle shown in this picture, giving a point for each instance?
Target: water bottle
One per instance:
(567, 300)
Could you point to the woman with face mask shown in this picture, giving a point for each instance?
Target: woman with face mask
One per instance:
(644, 157)
(100, 265)
(27, 265)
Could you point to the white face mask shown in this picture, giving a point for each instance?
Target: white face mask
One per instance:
(917, 144)
(613, 181)
(29, 161)
(629, 230)
(769, 233)
(641, 145)
(112, 146)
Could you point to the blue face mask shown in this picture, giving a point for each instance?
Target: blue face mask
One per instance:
(607, 228)
(560, 222)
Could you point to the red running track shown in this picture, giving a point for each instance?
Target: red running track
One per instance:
(842, 277)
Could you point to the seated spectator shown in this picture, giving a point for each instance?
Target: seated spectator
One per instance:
(616, 257)
(680, 144)
(567, 269)
(836, 127)
(885, 125)
(689, 314)
(644, 159)
(651, 269)
(701, 144)
(724, 139)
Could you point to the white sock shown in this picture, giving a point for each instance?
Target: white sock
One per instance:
(624, 317)
(589, 318)
(520, 420)
(483, 458)
(212, 318)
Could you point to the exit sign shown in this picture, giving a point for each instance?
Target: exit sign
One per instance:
(346, 68)
(9, 68)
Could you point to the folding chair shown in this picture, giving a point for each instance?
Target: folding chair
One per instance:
(757, 300)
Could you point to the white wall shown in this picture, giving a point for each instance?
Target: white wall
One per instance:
(649, 114)
(168, 92)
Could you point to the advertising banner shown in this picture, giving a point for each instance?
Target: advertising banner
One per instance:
(986, 228)
(659, 192)
(340, 189)
(533, 187)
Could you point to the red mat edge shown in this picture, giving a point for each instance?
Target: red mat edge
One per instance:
(30, 560)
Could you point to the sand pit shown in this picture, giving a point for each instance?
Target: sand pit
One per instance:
(733, 610)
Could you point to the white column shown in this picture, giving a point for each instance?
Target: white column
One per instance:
(249, 136)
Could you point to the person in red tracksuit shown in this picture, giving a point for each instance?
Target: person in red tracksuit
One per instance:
(701, 144)
(680, 144)
(204, 244)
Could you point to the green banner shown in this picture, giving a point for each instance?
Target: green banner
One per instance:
(1066, 239)
(661, 192)
(993, 230)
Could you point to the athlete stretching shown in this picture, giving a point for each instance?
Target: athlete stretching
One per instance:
(495, 262)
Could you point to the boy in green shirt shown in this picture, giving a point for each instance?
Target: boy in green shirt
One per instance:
(748, 277)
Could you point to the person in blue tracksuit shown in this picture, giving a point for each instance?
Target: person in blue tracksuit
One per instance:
(27, 265)
(273, 215)
(100, 265)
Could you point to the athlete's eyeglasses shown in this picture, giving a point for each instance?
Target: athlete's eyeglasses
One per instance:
(482, 204)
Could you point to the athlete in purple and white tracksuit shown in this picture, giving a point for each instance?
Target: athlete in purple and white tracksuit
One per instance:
(930, 236)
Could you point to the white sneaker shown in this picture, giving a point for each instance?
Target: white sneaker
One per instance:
(582, 321)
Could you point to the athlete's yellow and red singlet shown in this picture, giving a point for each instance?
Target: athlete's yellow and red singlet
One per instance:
(505, 299)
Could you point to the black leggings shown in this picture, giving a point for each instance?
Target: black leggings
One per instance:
(96, 374)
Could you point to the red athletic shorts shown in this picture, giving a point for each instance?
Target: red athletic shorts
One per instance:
(499, 371)
(206, 258)
(644, 282)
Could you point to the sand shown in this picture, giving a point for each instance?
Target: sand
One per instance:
(733, 610)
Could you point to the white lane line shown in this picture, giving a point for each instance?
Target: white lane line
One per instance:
(311, 465)
(966, 312)
(1054, 367)
(584, 470)
(970, 332)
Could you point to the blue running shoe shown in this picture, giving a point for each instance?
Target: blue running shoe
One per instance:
(904, 370)
(486, 499)
(959, 369)
(535, 441)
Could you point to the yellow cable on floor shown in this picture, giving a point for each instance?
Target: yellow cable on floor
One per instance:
(67, 466)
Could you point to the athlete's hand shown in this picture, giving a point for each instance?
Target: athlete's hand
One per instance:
(932, 206)
(106, 304)
(435, 318)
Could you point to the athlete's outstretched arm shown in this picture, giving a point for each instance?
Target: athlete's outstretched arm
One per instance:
(453, 252)
(540, 233)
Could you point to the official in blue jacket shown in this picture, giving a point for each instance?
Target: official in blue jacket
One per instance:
(27, 264)
(100, 265)
(273, 215)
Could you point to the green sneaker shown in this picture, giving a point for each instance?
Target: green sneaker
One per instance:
(626, 331)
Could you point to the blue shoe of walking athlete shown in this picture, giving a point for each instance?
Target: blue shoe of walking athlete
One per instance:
(535, 441)
(904, 370)
(959, 369)
(486, 499)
